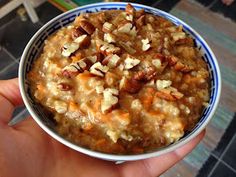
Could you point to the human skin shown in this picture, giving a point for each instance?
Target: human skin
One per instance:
(27, 151)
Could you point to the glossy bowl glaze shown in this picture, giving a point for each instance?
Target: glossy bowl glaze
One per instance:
(34, 48)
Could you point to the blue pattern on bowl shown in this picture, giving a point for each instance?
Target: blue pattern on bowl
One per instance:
(34, 48)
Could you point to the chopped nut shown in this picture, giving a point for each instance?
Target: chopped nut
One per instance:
(64, 87)
(185, 41)
(130, 85)
(177, 94)
(140, 21)
(78, 67)
(145, 75)
(98, 69)
(129, 17)
(167, 92)
(130, 9)
(156, 63)
(87, 26)
(178, 35)
(108, 49)
(108, 37)
(164, 95)
(99, 89)
(128, 28)
(131, 62)
(172, 60)
(107, 27)
(162, 84)
(111, 61)
(109, 99)
(83, 41)
(77, 32)
(179, 66)
(139, 13)
(69, 48)
(114, 136)
(146, 44)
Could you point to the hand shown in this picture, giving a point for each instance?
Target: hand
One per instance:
(27, 151)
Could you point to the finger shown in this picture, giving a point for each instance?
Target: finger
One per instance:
(156, 166)
(9, 98)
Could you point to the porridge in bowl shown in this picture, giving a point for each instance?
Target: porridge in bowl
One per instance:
(121, 82)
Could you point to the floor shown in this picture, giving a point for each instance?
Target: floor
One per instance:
(215, 156)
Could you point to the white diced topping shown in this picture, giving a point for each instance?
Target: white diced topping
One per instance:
(99, 89)
(162, 84)
(178, 35)
(131, 62)
(93, 59)
(113, 135)
(69, 48)
(107, 27)
(113, 60)
(109, 38)
(156, 63)
(146, 44)
(128, 28)
(98, 69)
(80, 38)
(109, 99)
(129, 17)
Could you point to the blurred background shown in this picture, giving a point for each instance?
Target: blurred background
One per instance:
(215, 20)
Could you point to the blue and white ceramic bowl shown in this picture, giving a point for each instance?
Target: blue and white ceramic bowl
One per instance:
(34, 48)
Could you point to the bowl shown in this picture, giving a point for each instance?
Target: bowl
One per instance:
(34, 48)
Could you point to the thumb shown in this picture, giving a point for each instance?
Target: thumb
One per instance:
(9, 98)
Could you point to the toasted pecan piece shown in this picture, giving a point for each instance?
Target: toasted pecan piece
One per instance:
(87, 26)
(145, 75)
(130, 85)
(130, 9)
(77, 32)
(164, 95)
(179, 66)
(140, 21)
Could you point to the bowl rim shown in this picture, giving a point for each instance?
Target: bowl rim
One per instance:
(106, 156)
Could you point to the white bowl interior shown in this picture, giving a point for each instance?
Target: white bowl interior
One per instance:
(34, 48)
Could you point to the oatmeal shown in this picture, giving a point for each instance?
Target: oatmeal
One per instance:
(122, 82)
